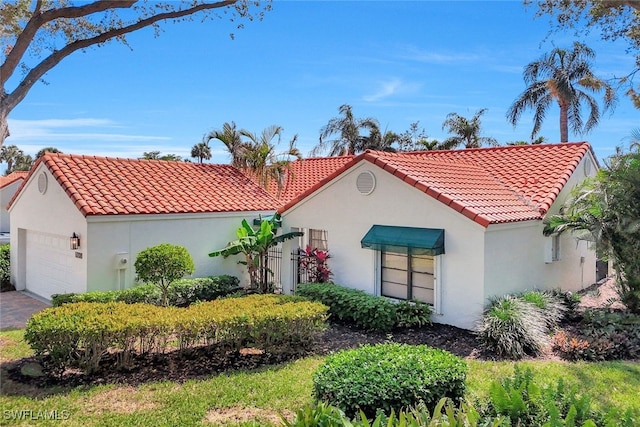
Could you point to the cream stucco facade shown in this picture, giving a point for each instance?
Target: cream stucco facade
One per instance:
(42, 223)
(478, 262)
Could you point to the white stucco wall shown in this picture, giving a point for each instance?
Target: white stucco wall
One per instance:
(347, 215)
(51, 214)
(130, 234)
(479, 263)
(6, 193)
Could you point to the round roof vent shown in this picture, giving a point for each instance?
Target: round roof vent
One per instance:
(366, 183)
(42, 183)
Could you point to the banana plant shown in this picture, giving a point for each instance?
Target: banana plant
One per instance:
(254, 244)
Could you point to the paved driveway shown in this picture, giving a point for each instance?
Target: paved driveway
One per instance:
(16, 308)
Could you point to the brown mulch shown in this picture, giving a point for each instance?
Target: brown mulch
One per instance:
(203, 362)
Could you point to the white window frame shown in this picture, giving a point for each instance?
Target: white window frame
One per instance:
(437, 281)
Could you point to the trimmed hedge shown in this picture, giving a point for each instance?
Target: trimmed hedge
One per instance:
(364, 310)
(5, 267)
(389, 377)
(182, 293)
(79, 334)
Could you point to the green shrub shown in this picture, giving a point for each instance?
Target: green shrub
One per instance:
(352, 306)
(5, 268)
(184, 292)
(181, 293)
(389, 376)
(80, 334)
(163, 264)
(412, 314)
(513, 328)
(140, 294)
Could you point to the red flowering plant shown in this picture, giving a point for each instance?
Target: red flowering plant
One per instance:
(313, 265)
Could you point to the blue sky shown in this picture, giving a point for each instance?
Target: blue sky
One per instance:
(397, 61)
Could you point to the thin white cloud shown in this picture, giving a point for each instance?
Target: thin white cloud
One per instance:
(390, 88)
(431, 57)
(40, 131)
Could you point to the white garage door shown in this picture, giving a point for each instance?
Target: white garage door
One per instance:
(51, 267)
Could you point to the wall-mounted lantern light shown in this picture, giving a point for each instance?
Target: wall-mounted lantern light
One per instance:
(74, 242)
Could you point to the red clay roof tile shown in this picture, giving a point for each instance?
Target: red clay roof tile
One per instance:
(110, 186)
(13, 177)
(488, 185)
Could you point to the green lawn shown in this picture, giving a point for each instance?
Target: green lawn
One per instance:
(255, 398)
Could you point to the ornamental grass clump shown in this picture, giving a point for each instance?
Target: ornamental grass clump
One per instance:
(389, 377)
(553, 309)
(513, 328)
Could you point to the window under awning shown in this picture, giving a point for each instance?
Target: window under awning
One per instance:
(414, 240)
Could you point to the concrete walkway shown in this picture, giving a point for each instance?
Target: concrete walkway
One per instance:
(16, 308)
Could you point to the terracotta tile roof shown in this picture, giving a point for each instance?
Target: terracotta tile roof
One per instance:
(304, 174)
(488, 185)
(13, 177)
(110, 186)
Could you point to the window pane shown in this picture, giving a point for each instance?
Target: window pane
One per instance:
(318, 239)
(392, 260)
(424, 280)
(397, 276)
(424, 295)
(394, 290)
(422, 263)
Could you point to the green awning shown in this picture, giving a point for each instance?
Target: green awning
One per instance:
(418, 241)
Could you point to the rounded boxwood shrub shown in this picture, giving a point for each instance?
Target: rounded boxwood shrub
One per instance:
(389, 376)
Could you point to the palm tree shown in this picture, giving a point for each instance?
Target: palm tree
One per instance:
(47, 150)
(348, 129)
(9, 154)
(466, 132)
(231, 138)
(201, 151)
(563, 76)
(260, 157)
(378, 141)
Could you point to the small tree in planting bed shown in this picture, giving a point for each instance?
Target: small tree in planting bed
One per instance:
(163, 264)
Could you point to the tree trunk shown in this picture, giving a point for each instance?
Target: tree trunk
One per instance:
(564, 123)
(4, 128)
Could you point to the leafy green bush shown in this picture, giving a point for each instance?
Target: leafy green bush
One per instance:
(389, 376)
(412, 314)
(80, 334)
(163, 264)
(181, 293)
(184, 292)
(512, 327)
(5, 267)
(352, 306)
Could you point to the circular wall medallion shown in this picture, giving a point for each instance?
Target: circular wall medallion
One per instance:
(587, 167)
(366, 183)
(42, 183)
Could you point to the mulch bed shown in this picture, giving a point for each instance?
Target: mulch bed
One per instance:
(203, 362)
